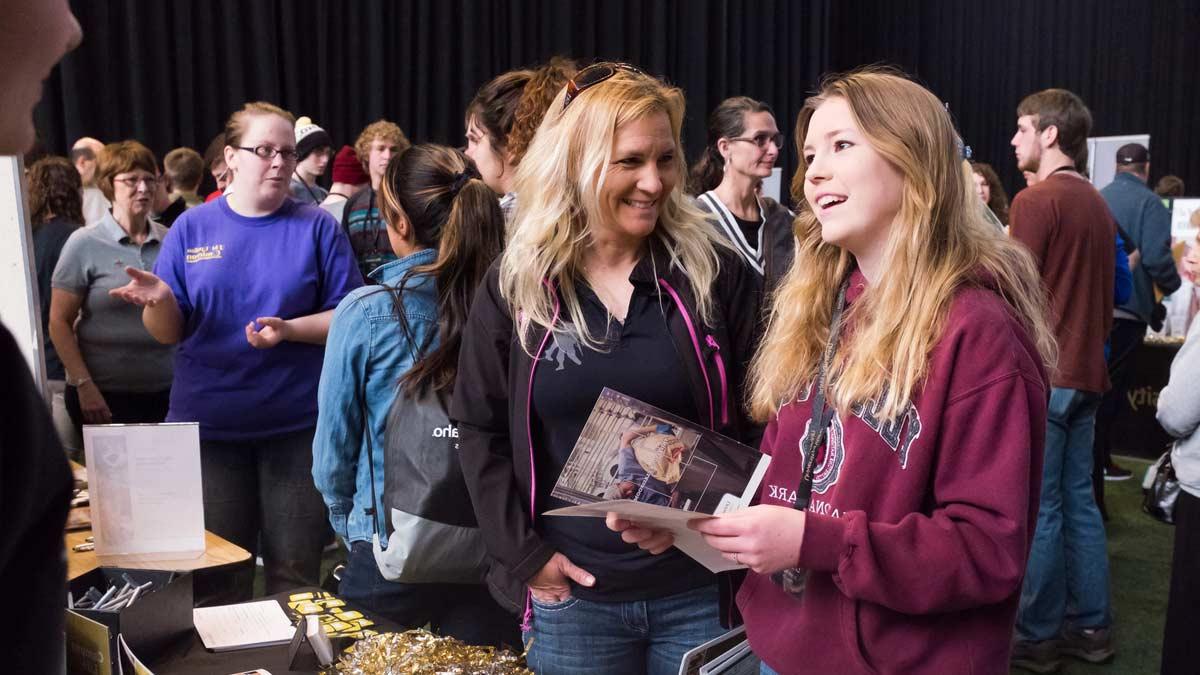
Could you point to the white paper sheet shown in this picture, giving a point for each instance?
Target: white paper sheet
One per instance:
(145, 489)
(251, 624)
(660, 517)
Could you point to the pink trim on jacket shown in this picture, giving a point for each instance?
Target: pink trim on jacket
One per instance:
(687, 320)
(527, 620)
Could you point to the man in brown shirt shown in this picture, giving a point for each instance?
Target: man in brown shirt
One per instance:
(1067, 226)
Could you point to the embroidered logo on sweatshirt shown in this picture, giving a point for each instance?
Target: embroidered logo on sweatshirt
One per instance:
(899, 434)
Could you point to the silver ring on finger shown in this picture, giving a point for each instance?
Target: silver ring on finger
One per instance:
(735, 559)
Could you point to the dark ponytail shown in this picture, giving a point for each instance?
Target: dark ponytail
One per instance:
(728, 120)
(439, 191)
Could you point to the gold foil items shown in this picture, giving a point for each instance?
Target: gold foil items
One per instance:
(419, 652)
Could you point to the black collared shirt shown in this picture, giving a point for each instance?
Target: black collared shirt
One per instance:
(639, 358)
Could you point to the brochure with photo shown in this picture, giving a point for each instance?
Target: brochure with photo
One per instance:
(656, 468)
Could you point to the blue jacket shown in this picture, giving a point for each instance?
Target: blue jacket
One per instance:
(1142, 215)
(366, 346)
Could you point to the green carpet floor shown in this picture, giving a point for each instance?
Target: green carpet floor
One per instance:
(1139, 554)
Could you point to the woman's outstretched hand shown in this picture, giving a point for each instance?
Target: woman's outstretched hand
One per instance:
(144, 289)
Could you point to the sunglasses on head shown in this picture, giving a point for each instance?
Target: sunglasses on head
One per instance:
(592, 76)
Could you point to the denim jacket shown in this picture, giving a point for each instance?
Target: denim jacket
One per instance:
(366, 346)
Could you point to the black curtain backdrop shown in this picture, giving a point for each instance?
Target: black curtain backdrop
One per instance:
(1136, 65)
(169, 72)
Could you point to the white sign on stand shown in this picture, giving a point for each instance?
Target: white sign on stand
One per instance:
(145, 489)
(18, 281)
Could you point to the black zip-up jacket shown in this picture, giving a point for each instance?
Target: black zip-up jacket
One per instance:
(773, 253)
(494, 386)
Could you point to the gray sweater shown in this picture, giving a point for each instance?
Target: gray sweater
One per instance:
(1179, 411)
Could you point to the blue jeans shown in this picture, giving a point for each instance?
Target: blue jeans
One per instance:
(764, 669)
(1066, 581)
(463, 611)
(581, 637)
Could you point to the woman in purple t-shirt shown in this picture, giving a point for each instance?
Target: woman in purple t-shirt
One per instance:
(246, 286)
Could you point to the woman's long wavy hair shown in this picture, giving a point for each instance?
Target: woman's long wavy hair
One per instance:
(54, 191)
(560, 182)
(510, 107)
(997, 195)
(938, 243)
(439, 192)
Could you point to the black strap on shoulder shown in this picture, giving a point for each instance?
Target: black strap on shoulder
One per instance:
(822, 414)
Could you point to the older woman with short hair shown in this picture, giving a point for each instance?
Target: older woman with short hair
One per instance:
(115, 370)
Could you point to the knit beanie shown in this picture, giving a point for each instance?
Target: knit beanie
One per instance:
(309, 137)
(347, 169)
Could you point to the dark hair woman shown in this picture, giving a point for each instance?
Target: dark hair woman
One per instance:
(743, 145)
(991, 190)
(55, 211)
(446, 228)
(503, 118)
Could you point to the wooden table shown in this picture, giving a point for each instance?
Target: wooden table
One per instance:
(217, 553)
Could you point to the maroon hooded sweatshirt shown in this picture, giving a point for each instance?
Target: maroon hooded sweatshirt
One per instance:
(918, 531)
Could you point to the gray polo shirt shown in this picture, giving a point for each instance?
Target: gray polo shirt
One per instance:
(120, 355)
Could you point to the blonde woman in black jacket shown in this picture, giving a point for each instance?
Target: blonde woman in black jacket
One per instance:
(611, 278)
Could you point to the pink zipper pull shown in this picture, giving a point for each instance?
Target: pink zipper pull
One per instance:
(712, 342)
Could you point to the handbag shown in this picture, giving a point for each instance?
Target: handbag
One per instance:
(1159, 500)
(433, 536)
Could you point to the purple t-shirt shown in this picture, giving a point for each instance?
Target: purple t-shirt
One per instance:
(226, 270)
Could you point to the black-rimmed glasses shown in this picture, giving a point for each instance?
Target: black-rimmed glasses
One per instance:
(592, 76)
(269, 152)
(761, 140)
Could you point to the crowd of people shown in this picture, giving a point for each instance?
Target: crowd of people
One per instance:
(931, 368)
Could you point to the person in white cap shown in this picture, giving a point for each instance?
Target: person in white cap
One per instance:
(313, 148)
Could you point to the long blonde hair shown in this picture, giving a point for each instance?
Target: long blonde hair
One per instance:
(559, 185)
(938, 242)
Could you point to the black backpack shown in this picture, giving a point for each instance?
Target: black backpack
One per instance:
(433, 536)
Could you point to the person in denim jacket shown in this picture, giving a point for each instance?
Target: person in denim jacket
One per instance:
(446, 228)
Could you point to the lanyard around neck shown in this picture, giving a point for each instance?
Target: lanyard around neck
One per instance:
(822, 414)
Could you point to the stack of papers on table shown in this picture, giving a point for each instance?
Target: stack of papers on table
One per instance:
(252, 624)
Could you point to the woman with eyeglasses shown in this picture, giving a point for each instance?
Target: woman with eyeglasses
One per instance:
(612, 269)
(115, 370)
(246, 286)
(903, 379)
(743, 145)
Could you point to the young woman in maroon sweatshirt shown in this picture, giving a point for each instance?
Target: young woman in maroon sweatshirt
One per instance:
(918, 328)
